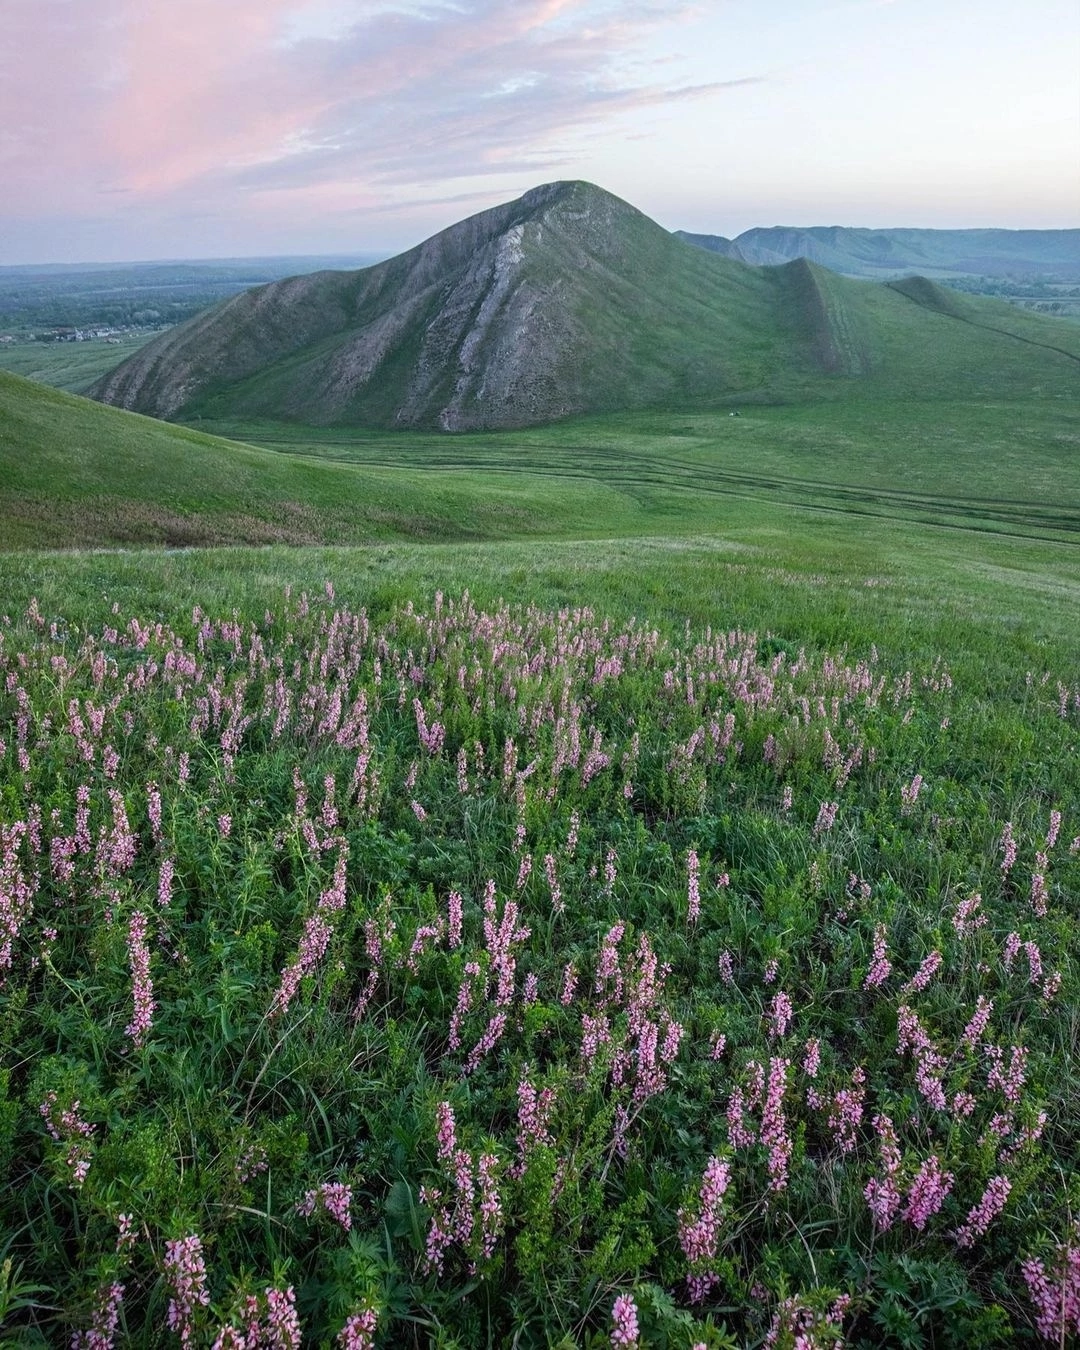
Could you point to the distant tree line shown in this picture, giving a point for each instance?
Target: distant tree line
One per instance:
(33, 313)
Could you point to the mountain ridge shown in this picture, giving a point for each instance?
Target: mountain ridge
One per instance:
(567, 300)
(888, 253)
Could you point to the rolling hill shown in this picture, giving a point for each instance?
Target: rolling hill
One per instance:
(571, 301)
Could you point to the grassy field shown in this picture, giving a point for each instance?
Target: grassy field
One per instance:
(72, 366)
(1001, 466)
(617, 873)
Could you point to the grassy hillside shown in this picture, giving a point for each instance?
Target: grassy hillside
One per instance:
(75, 474)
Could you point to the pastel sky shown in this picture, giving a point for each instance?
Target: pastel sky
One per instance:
(137, 129)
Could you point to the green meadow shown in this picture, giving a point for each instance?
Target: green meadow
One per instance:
(72, 366)
(457, 890)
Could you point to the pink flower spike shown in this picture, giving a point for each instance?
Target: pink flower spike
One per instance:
(624, 1324)
(927, 1192)
(984, 1213)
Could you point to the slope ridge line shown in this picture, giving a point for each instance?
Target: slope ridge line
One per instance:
(986, 327)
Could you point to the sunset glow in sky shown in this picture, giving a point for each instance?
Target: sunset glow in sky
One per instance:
(205, 128)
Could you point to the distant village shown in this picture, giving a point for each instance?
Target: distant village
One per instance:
(97, 333)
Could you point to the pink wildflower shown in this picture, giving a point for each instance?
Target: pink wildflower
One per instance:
(487, 1042)
(491, 1213)
(106, 1319)
(185, 1273)
(1009, 1080)
(142, 990)
(66, 1127)
(909, 795)
(983, 1214)
(774, 1133)
(534, 1110)
(358, 1333)
(845, 1114)
(282, 1324)
(881, 966)
(1008, 849)
(699, 1232)
(882, 1193)
(1056, 1293)
(779, 1014)
(552, 876)
(812, 1057)
(332, 1197)
(922, 977)
(967, 917)
(446, 1135)
(693, 892)
(624, 1324)
(927, 1192)
(454, 908)
(973, 1032)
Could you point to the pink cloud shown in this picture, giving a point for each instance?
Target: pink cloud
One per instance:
(150, 105)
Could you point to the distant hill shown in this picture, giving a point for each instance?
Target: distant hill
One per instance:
(35, 298)
(566, 301)
(884, 254)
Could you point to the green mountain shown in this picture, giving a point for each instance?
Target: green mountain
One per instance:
(571, 301)
(882, 254)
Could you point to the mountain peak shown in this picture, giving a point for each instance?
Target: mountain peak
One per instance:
(566, 300)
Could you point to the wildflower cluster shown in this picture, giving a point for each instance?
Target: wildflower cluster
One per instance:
(443, 966)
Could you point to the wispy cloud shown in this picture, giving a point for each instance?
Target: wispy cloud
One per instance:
(352, 103)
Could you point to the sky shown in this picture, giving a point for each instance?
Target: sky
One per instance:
(140, 129)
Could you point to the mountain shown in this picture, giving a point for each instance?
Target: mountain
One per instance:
(1017, 254)
(568, 301)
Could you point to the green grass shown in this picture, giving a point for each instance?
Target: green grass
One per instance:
(220, 678)
(990, 602)
(905, 537)
(913, 513)
(72, 366)
(997, 466)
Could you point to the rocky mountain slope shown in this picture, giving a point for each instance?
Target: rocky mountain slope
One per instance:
(566, 301)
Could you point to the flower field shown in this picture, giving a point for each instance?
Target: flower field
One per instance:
(470, 977)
